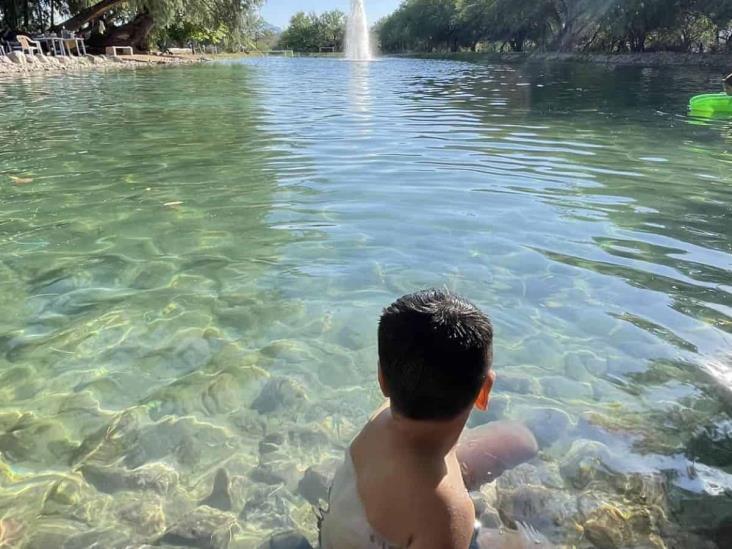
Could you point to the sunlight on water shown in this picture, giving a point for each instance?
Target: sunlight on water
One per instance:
(193, 262)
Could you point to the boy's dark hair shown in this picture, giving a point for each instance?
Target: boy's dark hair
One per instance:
(435, 351)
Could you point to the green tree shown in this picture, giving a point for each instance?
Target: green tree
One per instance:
(302, 33)
(631, 22)
(333, 29)
(423, 25)
(566, 25)
(512, 22)
(128, 21)
(311, 32)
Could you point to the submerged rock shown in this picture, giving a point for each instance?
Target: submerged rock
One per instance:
(273, 473)
(202, 394)
(702, 502)
(287, 540)
(51, 533)
(548, 424)
(485, 513)
(277, 462)
(205, 528)
(155, 477)
(11, 532)
(5, 473)
(584, 365)
(563, 388)
(712, 444)
(523, 537)
(586, 461)
(71, 498)
(516, 383)
(608, 529)
(36, 440)
(109, 538)
(220, 497)
(190, 442)
(317, 480)
(143, 513)
(536, 474)
(278, 394)
(550, 511)
(270, 508)
(111, 441)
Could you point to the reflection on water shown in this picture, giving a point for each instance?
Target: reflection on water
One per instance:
(192, 263)
(359, 82)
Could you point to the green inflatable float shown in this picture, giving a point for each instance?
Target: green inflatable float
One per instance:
(711, 103)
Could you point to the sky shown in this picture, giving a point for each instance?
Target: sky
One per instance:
(278, 12)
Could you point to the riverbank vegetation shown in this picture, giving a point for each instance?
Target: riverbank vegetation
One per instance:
(234, 24)
(310, 32)
(608, 26)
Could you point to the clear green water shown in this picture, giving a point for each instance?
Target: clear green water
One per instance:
(193, 262)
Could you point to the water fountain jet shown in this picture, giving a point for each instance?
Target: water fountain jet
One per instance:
(358, 42)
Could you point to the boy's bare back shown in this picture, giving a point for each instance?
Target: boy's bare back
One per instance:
(402, 484)
(436, 511)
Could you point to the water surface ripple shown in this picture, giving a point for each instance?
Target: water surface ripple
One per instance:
(193, 262)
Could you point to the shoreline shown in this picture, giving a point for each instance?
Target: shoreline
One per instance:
(17, 64)
(649, 59)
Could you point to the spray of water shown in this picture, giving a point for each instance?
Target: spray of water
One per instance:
(358, 46)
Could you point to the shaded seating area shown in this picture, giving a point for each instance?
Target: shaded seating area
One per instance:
(65, 45)
(31, 47)
(60, 46)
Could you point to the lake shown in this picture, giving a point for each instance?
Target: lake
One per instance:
(193, 262)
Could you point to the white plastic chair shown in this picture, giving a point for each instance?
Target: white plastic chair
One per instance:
(29, 46)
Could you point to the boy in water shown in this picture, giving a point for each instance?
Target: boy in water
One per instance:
(727, 82)
(404, 479)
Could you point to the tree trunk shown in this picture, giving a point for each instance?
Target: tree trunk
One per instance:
(52, 14)
(92, 12)
(41, 19)
(638, 43)
(11, 14)
(517, 43)
(134, 34)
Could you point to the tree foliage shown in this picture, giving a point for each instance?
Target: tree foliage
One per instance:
(206, 19)
(309, 32)
(606, 25)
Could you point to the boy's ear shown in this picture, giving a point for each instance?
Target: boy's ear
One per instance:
(382, 383)
(481, 402)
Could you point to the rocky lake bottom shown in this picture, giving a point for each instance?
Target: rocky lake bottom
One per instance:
(191, 279)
